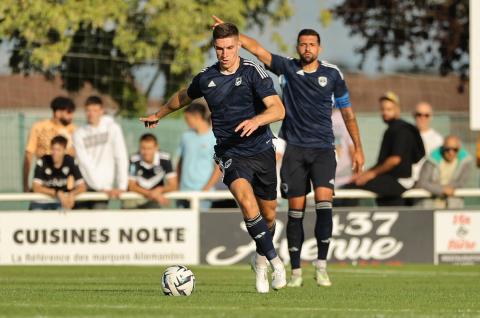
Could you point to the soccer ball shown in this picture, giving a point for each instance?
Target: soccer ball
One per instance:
(178, 280)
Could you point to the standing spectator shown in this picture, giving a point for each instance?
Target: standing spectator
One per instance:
(51, 177)
(196, 169)
(447, 168)
(430, 137)
(401, 147)
(42, 132)
(101, 153)
(423, 119)
(151, 173)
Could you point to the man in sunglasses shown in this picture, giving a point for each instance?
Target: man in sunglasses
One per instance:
(446, 169)
(423, 119)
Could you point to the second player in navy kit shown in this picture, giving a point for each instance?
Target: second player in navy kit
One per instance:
(310, 90)
(243, 102)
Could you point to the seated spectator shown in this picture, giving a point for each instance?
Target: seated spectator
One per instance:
(151, 173)
(101, 154)
(401, 147)
(447, 168)
(51, 177)
(42, 132)
(196, 169)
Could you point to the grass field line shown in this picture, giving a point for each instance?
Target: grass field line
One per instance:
(388, 272)
(224, 307)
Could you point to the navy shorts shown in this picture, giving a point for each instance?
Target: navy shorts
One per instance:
(259, 170)
(302, 167)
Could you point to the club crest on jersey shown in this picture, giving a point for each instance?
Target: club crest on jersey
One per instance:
(65, 170)
(322, 81)
(238, 81)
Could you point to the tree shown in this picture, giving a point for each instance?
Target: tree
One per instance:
(435, 31)
(103, 41)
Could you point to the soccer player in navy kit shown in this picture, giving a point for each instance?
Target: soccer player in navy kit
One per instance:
(243, 101)
(310, 90)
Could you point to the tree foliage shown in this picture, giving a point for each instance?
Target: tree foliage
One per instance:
(102, 41)
(433, 31)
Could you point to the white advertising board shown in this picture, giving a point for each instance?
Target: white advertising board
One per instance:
(457, 237)
(99, 238)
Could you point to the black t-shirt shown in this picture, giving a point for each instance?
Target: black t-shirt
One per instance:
(404, 140)
(150, 176)
(56, 178)
(232, 99)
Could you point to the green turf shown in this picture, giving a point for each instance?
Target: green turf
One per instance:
(405, 291)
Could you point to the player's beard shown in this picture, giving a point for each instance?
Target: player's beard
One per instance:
(307, 59)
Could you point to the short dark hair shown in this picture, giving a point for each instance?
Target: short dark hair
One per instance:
(62, 103)
(59, 140)
(94, 100)
(197, 108)
(225, 30)
(308, 32)
(149, 137)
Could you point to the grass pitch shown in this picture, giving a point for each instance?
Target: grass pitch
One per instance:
(372, 291)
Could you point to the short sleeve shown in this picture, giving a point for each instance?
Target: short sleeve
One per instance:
(194, 90)
(279, 64)
(167, 166)
(340, 93)
(32, 140)
(77, 175)
(262, 83)
(39, 173)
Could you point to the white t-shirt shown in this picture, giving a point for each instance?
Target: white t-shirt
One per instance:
(431, 141)
(102, 155)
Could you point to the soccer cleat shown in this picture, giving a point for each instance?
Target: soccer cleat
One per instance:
(261, 278)
(321, 277)
(295, 281)
(279, 277)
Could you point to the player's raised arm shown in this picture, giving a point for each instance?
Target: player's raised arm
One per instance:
(275, 111)
(176, 102)
(251, 45)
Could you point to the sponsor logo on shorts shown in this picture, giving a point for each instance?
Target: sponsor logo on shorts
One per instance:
(227, 163)
(332, 181)
(284, 187)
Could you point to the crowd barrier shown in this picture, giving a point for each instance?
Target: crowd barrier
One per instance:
(185, 236)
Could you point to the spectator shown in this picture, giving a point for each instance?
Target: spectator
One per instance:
(344, 150)
(401, 147)
(196, 169)
(42, 132)
(151, 173)
(423, 118)
(51, 177)
(430, 137)
(101, 154)
(447, 168)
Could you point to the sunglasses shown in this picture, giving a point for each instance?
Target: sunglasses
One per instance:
(426, 115)
(447, 149)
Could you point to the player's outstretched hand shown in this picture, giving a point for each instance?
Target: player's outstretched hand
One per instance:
(247, 127)
(151, 121)
(216, 20)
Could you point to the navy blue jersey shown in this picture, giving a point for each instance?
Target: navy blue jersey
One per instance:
(309, 99)
(232, 99)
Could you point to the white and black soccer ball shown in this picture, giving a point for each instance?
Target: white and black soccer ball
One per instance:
(178, 280)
